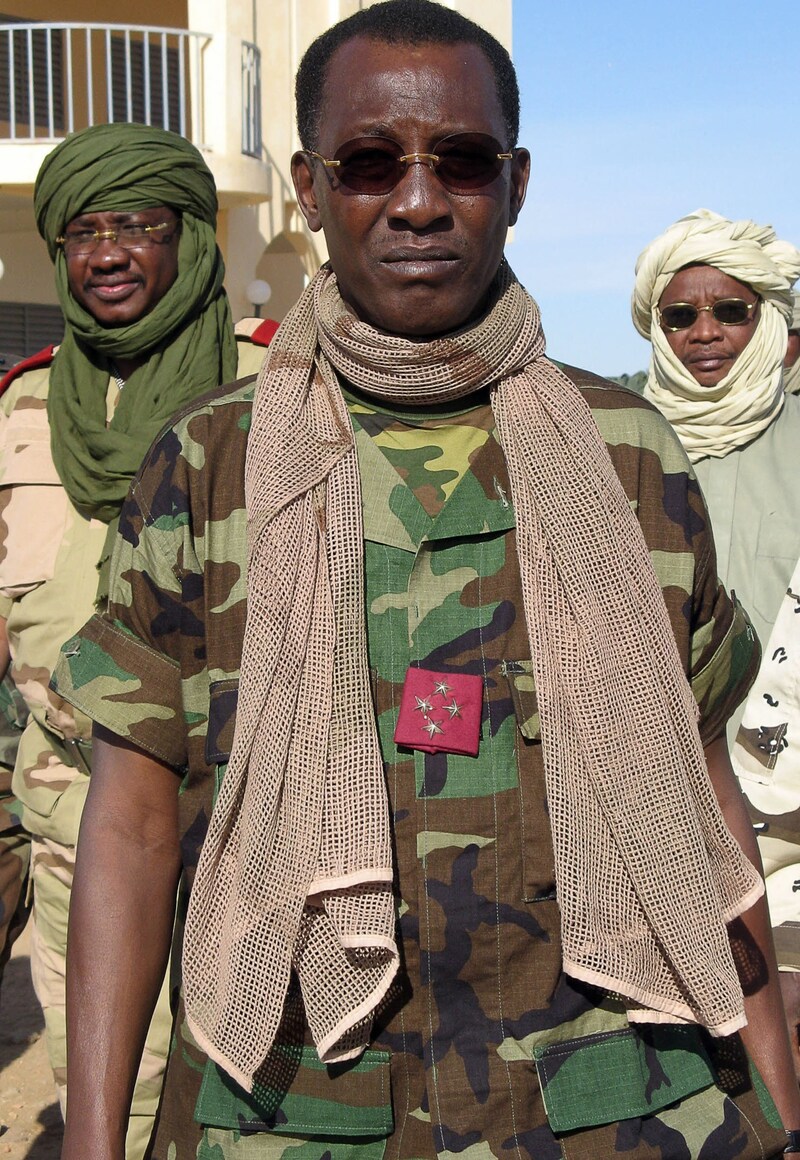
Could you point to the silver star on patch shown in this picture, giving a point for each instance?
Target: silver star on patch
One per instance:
(454, 710)
(442, 688)
(432, 728)
(423, 705)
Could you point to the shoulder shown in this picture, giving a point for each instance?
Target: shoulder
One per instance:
(41, 361)
(253, 336)
(229, 404)
(628, 421)
(790, 412)
(26, 387)
(201, 450)
(259, 331)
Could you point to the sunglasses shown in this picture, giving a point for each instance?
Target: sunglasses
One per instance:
(463, 163)
(727, 311)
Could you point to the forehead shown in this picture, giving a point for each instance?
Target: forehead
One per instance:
(702, 284)
(417, 93)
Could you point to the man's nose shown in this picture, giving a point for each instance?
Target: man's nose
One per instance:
(706, 326)
(108, 251)
(419, 198)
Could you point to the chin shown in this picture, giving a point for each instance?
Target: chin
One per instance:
(423, 325)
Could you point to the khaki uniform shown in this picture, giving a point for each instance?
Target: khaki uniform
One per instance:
(49, 555)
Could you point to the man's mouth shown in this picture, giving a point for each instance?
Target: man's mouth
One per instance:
(114, 291)
(420, 260)
(707, 362)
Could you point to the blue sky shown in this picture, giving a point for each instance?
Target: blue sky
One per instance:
(635, 114)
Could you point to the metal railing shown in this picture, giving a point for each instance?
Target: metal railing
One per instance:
(251, 99)
(56, 78)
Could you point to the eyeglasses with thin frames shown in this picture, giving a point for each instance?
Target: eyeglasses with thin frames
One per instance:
(463, 162)
(127, 235)
(726, 311)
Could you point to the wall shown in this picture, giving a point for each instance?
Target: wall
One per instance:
(166, 13)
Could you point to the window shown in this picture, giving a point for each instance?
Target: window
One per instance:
(28, 327)
(32, 59)
(163, 64)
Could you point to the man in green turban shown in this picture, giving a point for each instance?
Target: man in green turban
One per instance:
(128, 213)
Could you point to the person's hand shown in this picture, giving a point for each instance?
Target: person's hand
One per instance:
(790, 990)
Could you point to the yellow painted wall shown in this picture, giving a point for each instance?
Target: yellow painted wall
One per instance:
(165, 13)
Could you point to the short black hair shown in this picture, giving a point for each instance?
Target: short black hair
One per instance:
(401, 22)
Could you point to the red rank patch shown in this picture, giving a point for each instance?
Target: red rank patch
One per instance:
(440, 712)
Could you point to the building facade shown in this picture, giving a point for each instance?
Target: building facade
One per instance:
(220, 72)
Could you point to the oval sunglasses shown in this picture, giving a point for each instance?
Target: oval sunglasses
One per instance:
(463, 162)
(726, 311)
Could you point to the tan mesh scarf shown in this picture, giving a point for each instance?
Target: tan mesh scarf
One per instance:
(296, 869)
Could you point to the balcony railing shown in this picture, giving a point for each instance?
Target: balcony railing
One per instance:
(57, 78)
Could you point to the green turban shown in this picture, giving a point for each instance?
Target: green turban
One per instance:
(187, 339)
(121, 167)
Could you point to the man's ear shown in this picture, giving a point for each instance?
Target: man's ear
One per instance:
(520, 172)
(303, 178)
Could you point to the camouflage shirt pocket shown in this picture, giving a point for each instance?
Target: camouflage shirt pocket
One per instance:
(522, 686)
(223, 698)
(538, 872)
(305, 1098)
(665, 1089)
(620, 1075)
(34, 508)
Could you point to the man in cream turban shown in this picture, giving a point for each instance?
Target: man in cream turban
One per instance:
(718, 378)
(714, 297)
(128, 213)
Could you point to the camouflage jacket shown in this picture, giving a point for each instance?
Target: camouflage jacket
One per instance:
(766, 756)
(484, 1046)
(49, 556)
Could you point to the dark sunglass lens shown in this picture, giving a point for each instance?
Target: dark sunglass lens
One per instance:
(468, 161)
(680, 316)
(731, 311)
(369, 166)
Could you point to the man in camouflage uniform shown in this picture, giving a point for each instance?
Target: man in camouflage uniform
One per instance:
(128, 213)
(482, 1043)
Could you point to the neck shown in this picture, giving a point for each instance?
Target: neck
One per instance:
(126, 366)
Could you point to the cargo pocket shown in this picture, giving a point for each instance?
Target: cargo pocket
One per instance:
(620, 1075)
(34, 507)
(522, 687)
(223, 698)
(331, 1101)
(538, 874)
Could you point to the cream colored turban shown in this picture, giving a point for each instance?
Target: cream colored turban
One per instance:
(791, 376)
(715, 420)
